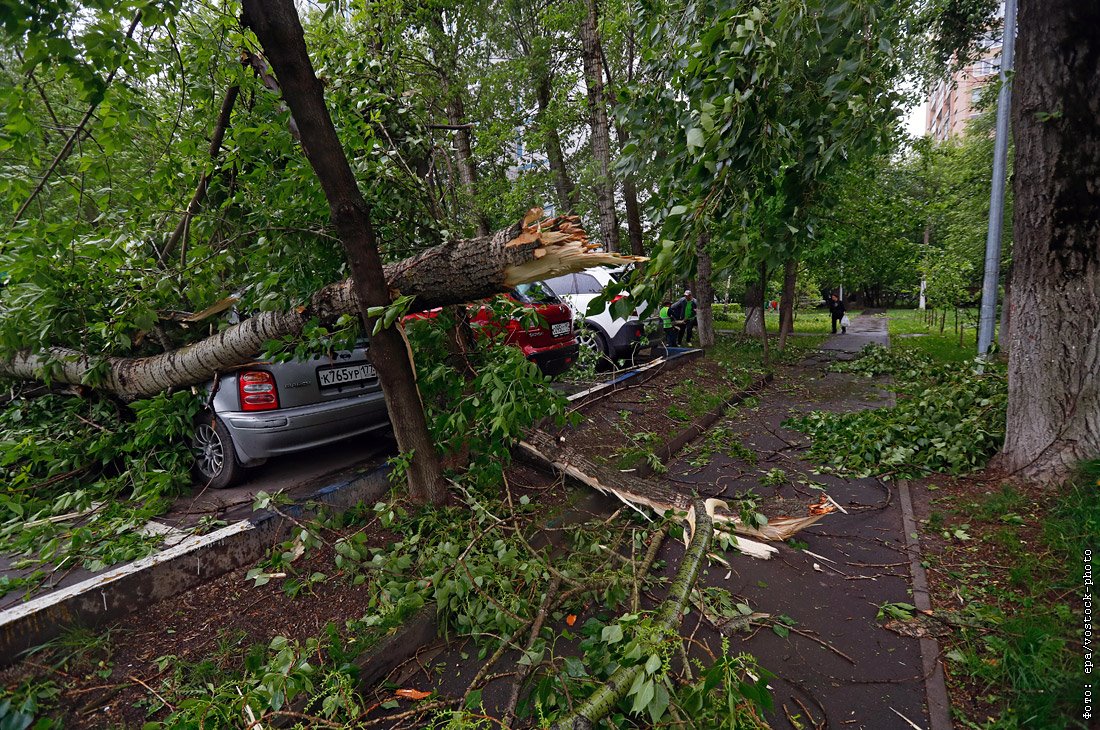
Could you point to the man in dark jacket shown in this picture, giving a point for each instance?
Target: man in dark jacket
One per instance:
(683, 314)
(836, 310)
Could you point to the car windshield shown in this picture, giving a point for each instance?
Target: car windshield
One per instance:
(535, 292)
(575, 284)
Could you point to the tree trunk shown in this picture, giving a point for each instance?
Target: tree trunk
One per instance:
(456, 117)
(464, 157)
(220, 127)
(276, 25)
(1054, 352)
(451, 273)
(601, 133)
(763, 322)
(1004, 331)
(754, 308)
(564, 187)
(633, 216)
(786, 301)
(704, 292)
(630, 199)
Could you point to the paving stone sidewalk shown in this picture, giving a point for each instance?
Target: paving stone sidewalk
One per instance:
(845, 669)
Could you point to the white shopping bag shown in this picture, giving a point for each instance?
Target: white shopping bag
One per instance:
(844, 321)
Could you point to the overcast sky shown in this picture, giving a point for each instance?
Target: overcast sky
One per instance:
(914, 123)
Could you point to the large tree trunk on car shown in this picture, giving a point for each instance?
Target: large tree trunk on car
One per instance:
(276, 25)
(453, 273)
(1054, 351)
(704, 292)
(601, 133)
(786, 301)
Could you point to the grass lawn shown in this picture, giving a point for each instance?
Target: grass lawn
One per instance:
(1006, 563)
(806, 321)
(909, 331)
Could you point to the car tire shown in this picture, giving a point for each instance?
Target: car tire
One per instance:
(588, 337)
(216, 464)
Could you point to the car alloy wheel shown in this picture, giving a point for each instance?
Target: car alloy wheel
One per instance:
(215, 460)
(209, 450)
(590, 339)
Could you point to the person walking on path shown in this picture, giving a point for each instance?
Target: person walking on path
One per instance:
(683, 312)
(670, 329)
(836, 311)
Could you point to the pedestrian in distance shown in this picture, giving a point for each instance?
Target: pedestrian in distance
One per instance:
(836, 311)
(683, 314)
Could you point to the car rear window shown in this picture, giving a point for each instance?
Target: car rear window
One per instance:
(575, 284)
(535, 292)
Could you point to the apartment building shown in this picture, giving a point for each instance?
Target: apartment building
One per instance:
(954, 98)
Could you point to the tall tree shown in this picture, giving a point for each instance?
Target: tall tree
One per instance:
(592, 51)
(276, 25)
(1054, 355)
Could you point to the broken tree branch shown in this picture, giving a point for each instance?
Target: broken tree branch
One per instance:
(525, 669)
(604, 699)
(216, 138)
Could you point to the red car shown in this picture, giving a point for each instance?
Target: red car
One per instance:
(547, 340)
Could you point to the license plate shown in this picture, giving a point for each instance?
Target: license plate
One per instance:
(561, 329)
(345, 374)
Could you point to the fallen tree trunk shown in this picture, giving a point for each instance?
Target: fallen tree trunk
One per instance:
(604, 699)
(453, 273)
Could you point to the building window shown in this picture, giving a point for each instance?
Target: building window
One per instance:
(987, 66)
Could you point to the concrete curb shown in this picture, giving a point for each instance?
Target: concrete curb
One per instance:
(935, 685)
(673, 359)
(939, 706)
(673, 446)
(192, 561)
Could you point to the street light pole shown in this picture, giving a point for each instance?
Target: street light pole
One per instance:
(997, 196)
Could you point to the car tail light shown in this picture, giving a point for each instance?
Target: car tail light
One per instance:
(617, 297)
(257, 390)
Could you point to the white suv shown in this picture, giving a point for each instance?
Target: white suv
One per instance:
(609, 337)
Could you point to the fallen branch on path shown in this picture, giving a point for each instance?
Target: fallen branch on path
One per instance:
(604, 699)
(656, 497)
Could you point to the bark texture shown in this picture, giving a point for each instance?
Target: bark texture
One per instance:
(1054, 351)
(754, 308)
(276, 25)
(601, 132)
(564, 187)
(452, 273)
(786, 301)
(704, 292)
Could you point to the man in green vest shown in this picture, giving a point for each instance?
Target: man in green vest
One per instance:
(683, 313)
(670, 329)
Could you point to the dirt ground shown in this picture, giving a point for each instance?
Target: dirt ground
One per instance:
(832, 661)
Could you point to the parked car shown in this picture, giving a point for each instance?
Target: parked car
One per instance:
(271, 409)
(613, 338)
(548, 341)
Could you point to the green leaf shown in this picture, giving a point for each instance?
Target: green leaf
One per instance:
(612, 634)
(694, 138)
